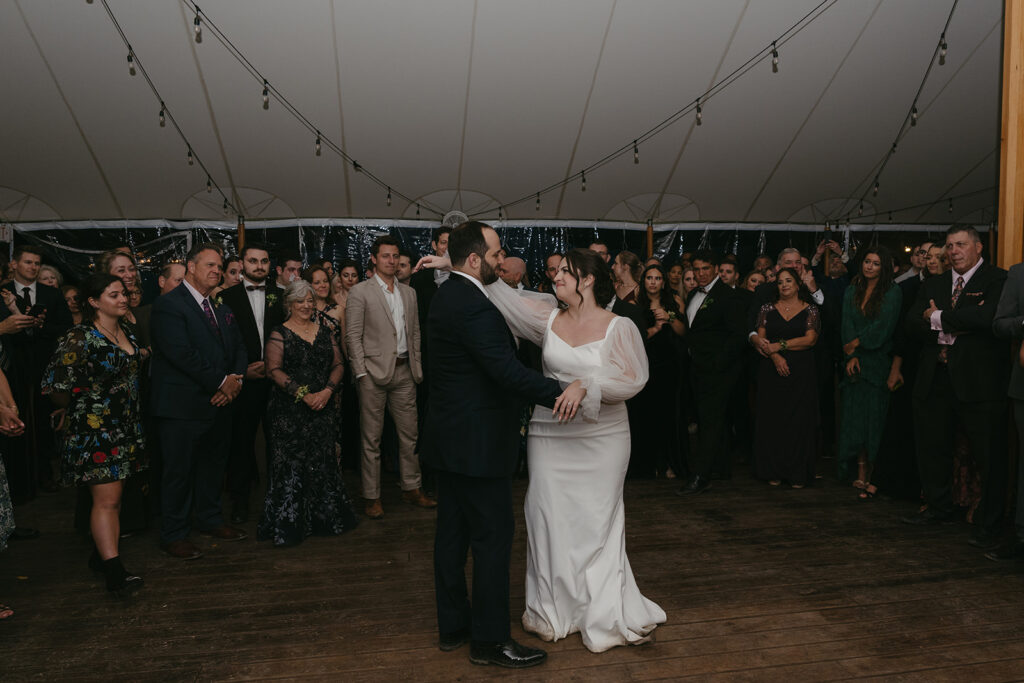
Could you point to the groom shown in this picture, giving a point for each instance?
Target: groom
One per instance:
(472, 441)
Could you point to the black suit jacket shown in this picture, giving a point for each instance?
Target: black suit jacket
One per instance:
(477, 386)
(190, 360)
(1009, 324)
(978, 361)
(237, 300)
(30, 350)
(718, 332)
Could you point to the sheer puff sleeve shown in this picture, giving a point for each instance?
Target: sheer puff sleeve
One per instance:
(623, 371)
(525, 312)
(273, 357)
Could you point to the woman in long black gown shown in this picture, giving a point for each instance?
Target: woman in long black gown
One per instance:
(305, 494)
(786, 436)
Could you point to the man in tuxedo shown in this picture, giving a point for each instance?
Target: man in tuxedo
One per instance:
(199, 362)
(29, 339)
(382, 330)
(289, 268)
(962, 373)
(427, 281)
(472, 441)
(728, 272)
(1009, 324)
(714, 314)
(257, 312)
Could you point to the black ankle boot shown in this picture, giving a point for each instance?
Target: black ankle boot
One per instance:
(119, 581)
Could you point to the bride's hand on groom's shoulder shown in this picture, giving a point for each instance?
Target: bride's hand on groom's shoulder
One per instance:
(433, 261)
(568, 403)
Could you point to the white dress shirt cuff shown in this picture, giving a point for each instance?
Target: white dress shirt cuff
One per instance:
(936, 320)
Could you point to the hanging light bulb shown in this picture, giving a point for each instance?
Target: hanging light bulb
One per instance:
(191, 159)
(775, 59)
(636, 153)
(893, 151)
(700, 115)
(500, 213)
(417, 210)
(198, 26)
(225, 207)
(209, 185)
(583, 181)
(951, 205)
(266, 94)
(356, 167)
(389, 196)
(538, 201)
(316, 145)
(890, 216)
(942, 50)
(913, 116)
(131, 62)
(163, 118)
(860, 209)
(876, 187)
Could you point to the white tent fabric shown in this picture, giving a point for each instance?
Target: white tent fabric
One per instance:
(471, 104)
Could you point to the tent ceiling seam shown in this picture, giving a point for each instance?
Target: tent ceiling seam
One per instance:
(810, 113)
(341, 113)
(465, 104)
(972, 169)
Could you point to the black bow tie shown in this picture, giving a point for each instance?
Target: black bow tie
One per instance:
(702, 290)
(255, 288)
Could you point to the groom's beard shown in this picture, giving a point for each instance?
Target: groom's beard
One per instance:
(488, 274)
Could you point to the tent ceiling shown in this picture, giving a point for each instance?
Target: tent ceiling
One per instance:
(465, 105)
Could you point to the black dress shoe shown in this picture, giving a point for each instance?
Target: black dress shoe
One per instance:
(239, 512)
(926, 518)
(696, 484)
(509, 654)
(23, 533)
(984, 540)
(1014, 550)
(454, 640)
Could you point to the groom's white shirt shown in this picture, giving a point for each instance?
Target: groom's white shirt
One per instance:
(479, 285)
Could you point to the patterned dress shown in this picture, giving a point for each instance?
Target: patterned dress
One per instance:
(102, 439)
(305, 494)
(6, 509)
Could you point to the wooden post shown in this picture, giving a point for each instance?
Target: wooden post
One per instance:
(1011, 146)
(241, 234)
(650, 238)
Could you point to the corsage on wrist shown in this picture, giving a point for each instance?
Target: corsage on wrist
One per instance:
(783, 345)
(301, 392)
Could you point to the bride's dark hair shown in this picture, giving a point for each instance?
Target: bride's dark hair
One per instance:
(584, 262)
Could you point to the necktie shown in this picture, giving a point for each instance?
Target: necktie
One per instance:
(255, 288)
(210, 316)
(26, 294)
(957, 289)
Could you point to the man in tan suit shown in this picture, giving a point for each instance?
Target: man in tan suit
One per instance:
(383, 336)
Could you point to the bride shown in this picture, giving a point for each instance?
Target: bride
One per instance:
(578, 578)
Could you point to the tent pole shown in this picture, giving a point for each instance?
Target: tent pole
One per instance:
(241, 233)
(650, 236)
(1011, 143)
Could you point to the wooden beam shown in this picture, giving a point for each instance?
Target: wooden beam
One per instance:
(1011, 146)
(650, 238)
(241, 233)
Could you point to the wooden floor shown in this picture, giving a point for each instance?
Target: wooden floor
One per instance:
(758, 584)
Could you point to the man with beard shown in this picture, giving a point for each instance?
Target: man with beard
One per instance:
(257, 312)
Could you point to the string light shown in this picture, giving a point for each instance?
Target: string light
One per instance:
(500, 213)
(131, 62)
(876, 187)
(775, 59)
(913, 116)
(209, 185)
(417, 209)
(316, 145)
(700, 115)
(163, 118)
(860, 209)
(893, 150)
(538, 201)
(942, 49)
(356, 167)
(198, 24)
(636, 153)
(951, 205)
(225, 206)
(583, 179)
(191, 159)
(890, 216)
(266, 94)
(389, 196)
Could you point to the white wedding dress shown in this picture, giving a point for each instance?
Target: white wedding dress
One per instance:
(578, 577)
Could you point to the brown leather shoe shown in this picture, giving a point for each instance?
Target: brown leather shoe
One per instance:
(416, 497)
(183, 550)
(374, 510)
(226, 533)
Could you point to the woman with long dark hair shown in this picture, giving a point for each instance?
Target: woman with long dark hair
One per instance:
(655, 445)
(871, 309)
(626, 268)
(93, 379)
(786, 440)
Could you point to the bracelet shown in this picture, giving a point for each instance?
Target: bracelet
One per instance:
(300, 392)
(783, 345)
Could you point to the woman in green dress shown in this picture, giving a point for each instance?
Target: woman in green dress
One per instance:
(871, 310)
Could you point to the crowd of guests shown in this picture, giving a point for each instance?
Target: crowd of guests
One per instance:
(154, 410)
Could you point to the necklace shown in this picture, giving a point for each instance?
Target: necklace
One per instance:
(116, 337)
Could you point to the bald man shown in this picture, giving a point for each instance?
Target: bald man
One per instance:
(513, 269)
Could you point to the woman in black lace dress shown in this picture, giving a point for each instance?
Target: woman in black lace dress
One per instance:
(786, 440)
(305, 494)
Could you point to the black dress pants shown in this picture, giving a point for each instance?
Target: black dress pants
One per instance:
(984, 423)
(713, 391)
(473, 513)
(194, 455)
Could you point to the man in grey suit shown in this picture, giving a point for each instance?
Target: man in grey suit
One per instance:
(1009, 324)
(382, 330)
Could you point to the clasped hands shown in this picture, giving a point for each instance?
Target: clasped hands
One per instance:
(318, 400)
(568, 403)
(228, 391)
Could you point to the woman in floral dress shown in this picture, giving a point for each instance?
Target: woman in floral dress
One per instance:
(93, 379)
(305, 494)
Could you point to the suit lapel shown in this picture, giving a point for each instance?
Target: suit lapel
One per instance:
(379, 293)
(194, 306)
(974, 285)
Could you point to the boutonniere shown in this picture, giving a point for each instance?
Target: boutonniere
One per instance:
(707, 302)
(271, 299)
(218, 302)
